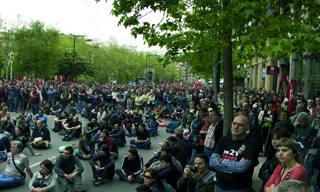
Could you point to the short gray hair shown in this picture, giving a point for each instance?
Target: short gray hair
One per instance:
(19, 145)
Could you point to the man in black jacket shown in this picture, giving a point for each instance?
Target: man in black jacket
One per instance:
(40, 136)
(235, 157)
(131, 167)
(69, 168)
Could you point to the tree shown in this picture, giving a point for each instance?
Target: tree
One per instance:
(36, 50)
(71, 70)
(199, 30)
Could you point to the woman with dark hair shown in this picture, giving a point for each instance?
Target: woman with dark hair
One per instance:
(45, 179)
(290, 167)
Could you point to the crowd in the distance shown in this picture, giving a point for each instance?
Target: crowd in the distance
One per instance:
(196, 157)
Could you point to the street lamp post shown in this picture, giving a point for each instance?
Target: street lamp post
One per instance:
(146, 75)
(74, 47)
(74, 50)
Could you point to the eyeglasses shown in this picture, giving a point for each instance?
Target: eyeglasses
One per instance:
(147, 176)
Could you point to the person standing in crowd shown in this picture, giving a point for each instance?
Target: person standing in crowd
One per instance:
(197, 178)
(69, 170)
(131, 167)
(290, 167)
(35, 99)
(235, 157)
(45, 179)
(272, 161)
(214, 133)
(17, 166)
(303, 131)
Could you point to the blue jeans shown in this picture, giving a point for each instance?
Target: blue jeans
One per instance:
(81, 105)
(208, 152)
(143, 145)
(7, 180)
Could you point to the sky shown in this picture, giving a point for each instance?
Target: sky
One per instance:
(80, 17)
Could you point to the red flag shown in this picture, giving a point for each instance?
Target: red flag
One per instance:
(289, 95)
(38, 85)
(283, 78)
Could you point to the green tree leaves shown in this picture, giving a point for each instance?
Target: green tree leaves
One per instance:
(35, 48)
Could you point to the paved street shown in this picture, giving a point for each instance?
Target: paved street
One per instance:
(116, 184)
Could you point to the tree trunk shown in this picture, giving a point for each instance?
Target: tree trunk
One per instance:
(228, 77)
(216, 76)
(228, 88)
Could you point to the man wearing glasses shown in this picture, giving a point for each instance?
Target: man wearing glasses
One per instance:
(235, 157)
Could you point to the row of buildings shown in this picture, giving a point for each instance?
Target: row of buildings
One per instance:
(276, 75)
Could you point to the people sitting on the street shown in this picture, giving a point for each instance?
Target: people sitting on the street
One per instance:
(118, 135)
(5, 138)
(58, 122)
(86, 147)
(105, 138)
(17, 165)
(102, 165)
(72, 129)
(127, 124)
(142, 138)
(197, 177)
(152, 125)
(40, 138)
(40, 116)
(56, 109)
(8, 123)
(131, 167)
(20, 136)
(45, 179)
(92, 127)
(173, 124)
(69, 169)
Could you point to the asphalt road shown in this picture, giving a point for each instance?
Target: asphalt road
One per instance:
(115, 185)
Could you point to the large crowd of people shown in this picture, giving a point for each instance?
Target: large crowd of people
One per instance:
(197, 157)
